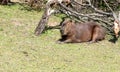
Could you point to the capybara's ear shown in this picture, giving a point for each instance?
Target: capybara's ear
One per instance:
(72, 21)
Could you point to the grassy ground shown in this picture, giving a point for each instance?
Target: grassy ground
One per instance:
(22, 51)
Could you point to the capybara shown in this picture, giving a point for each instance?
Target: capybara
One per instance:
(72, 32)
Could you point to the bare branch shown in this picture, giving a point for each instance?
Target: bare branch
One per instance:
(79, 14)
(54, 1)
(89, 2)
(119, 16)
(114, 15)
(95, 14)
(73, 1)
(96, 10)
(45, 17)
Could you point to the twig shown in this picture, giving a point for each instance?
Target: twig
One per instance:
(98, 11)
(113, 13)
(79, 14)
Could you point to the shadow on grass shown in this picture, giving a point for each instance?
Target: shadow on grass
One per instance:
(114, 39)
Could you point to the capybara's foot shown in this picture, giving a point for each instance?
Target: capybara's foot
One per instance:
(59, 42)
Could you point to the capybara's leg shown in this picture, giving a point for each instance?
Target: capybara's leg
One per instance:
(95, 34)
(73, 39)
(64, 41)
(76, 40)
(67, 41)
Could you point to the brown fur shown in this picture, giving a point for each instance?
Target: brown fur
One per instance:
(84, 32)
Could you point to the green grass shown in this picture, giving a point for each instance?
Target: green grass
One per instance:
(22, 51)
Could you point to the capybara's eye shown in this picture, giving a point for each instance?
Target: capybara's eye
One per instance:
(63, 24)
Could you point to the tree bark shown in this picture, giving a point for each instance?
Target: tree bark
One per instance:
(43, 22)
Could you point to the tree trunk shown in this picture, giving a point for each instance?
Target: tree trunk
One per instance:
(39, 29)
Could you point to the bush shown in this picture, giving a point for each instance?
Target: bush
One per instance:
(4, 2)
(37, 4)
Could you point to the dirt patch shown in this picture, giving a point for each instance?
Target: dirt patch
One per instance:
(53, 23)
(16, 22)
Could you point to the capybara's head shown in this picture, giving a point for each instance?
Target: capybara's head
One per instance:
(66, 26)
(116, 28)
